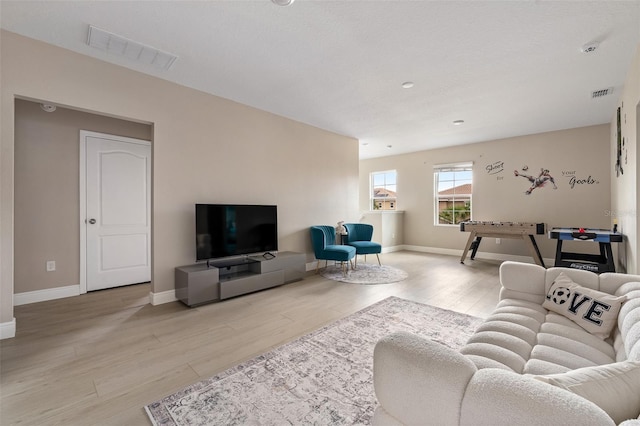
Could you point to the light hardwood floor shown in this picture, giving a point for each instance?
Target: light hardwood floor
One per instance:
(100, 357)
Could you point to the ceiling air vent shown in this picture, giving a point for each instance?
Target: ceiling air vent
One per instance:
(118, 45)
(602, 92)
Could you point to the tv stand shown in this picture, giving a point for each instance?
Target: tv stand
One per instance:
(222, 279)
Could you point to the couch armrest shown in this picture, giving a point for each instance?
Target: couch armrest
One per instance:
(416, 379)
(524, 281)
(497, 397)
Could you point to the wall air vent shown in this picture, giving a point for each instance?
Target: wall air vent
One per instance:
(602, 92)
(118, 45)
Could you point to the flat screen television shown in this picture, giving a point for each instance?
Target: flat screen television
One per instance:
(224, 230)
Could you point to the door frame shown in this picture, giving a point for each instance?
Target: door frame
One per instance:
(83, 197)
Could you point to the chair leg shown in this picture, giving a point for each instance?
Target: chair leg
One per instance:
(356, 261)
(380, 264)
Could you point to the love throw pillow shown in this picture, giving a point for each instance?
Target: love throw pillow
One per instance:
(593, 310)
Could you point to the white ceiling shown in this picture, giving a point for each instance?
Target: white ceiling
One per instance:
(506, 68)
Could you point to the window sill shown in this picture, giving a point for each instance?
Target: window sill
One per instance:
(382, 211)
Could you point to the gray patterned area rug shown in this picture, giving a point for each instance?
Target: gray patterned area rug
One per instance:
(322, 378)
(365, 273)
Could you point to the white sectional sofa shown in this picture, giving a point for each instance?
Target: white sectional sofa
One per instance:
(527, 364)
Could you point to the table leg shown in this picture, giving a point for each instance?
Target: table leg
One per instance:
(611, 266)
(536, 251)
(474, 247)
(472, 235)
(558, 253)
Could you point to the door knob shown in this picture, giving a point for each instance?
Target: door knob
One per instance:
(92, 221)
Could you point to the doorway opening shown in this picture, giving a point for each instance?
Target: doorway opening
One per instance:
(47, 200)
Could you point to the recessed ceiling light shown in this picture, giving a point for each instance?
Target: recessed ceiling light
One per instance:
(407, 85)
(283, 2)
(458, 122)
(589, 47)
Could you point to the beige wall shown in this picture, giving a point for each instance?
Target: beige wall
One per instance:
(388, 227)
(624, 189)
(500, 196)
(47, 204)
(206, 149)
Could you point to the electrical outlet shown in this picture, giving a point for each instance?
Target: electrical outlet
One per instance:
(51, 265)
(498, 241)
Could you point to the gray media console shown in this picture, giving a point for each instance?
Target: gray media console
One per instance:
(201, 283)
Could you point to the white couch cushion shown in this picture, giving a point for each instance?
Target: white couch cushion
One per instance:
(506, 338)
(613, 387)
(495, 397)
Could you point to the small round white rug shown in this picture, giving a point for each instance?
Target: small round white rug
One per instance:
(365, 273)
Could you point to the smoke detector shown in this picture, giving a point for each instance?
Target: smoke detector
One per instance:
(48, 107)
(589, 47)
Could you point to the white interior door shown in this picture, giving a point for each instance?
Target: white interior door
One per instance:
(117, 213)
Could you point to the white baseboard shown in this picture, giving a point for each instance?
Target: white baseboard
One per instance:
(8, 329)
(162, 297)
(479, 255)
(44, 295)
(435, 250)
(392, 249)
(74, 290)
(311, 266)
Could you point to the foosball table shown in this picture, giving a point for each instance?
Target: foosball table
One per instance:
(514, 230)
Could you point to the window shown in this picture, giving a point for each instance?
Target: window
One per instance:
(453, 189)
(383, 190)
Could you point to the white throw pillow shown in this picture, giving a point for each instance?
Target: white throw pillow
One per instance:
(593, 310)
(613, 387)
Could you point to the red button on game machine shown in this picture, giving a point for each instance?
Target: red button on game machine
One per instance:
(583, 235)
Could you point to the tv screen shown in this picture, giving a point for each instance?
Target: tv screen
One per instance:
(224, 230)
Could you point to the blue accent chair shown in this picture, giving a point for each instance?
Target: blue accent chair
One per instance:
(323, 238)
(359, 236)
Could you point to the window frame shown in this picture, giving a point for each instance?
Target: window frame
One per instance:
(466, 166)
(372, 186)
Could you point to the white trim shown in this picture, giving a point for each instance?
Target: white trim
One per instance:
(372, 199)
(163, 297)
(83, 194)
(44, 295)
(83, 211)
(8, 329)
(479, 255)
(459, 165)
(311, 266)
(392, 249)
(435, 250)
